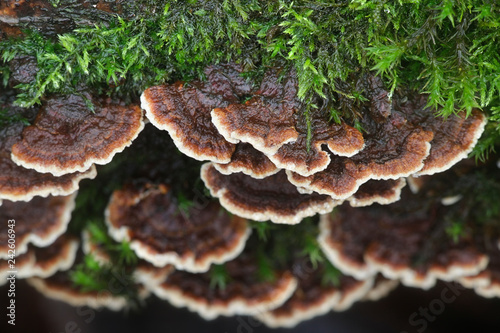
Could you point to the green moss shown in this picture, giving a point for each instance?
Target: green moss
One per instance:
(448, 49)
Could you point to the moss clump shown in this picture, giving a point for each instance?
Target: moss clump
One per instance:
(448, 49)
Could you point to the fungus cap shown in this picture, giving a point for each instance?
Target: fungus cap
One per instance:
(67, 136)
(272, 198)
(39, 222)
(160, 232)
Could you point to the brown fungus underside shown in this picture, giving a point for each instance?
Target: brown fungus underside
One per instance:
(398, 241)
(39, 222)
(21, 184)
(162, 232)
(43, 262)
(394, 148)
(60, 287)
(266, 120)
(183, 109)
(249, 161)
(383, 192)
(314, 297)
(272, 198)
(340, 139)
(244, 294)
(67, 136)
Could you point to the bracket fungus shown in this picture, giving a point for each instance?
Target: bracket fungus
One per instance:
(20, 184)
(398, 242)
(243, 294)
(383, 192)
(39, 222)
(313, 298)
(43, 262)
(454, 137)
(341, 139)
(60, 287)
(249, 161)
(272, 198)
(184, 111)
(487, 282)
(67, 136)
(162, 233)
(393, 149)
(266, 120)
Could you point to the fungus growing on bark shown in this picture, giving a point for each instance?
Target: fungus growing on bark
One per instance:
(395, 149)
(383, 192)
(161, 232)
(454, 137)
(67, 136)
(39, 222)
(60, 287)
(43, 262)
(183, 109)
(266, 121)
(399, 136)
(341, 139)
(272, 198)
(20, 184)
(313, 297)
(399, 242)
(487, 282)
(244, 293)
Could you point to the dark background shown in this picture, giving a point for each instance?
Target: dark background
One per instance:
(467, 313)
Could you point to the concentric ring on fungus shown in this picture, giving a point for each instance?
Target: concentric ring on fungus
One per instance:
(272, 198)
(161, 233)
(67, 136)
(39, 222)
(183, 109)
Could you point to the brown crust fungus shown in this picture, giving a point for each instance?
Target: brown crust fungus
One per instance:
(43, 262)
(59, 287)
(272, 198)
(249, 161)
(184, 111)
(454, 137)
(313, 298)
(383, 192)
(67, 136)
(390, 154)
(20, 184)
(394, 241)
(162, 233)
(39, 222)
(341, 139)
(487, 282)
(266, 121)
(243, 294)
